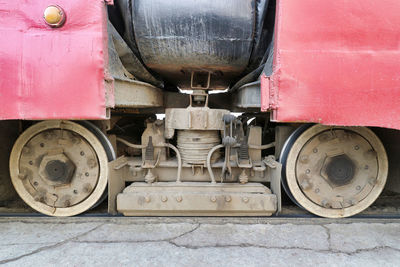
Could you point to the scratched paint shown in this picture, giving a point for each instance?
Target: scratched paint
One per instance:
(48, 73)
(336, 63)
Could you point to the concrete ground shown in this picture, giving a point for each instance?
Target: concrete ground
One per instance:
(119, 241)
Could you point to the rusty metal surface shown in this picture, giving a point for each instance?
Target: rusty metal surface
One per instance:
(49, 73)
(336, 63)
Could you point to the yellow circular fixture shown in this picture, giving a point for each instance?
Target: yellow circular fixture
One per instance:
(54, 16)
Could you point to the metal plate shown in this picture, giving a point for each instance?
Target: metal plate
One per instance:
(336, 63)
(196, 199)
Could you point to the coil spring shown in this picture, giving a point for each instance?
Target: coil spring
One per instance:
(195, 145)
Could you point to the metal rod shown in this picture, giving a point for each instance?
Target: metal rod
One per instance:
(209, 162)
(179, 158)
(262, 147)
(130, 144)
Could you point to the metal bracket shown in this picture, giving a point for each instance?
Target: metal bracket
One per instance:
(276, 176)
(116, 183)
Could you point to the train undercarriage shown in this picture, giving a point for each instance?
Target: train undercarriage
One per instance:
(194, 161)
(190, 109)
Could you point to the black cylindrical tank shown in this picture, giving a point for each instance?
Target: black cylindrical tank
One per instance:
(184, 40)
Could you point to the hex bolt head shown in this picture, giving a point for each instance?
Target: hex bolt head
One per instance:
(372, 181)
(26, 150)
(325, 203)
(305, 185)
(22, 176)
(91, 163)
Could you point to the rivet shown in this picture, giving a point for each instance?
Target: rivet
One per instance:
(147, 199)
(35, 183)
(358, 187)
(75, 191)
(82, 153)
(41, 144)
(30, 162)
(315, 150)
(86, 174)
(308, 171)
(228, 199)
(164, 198)
(316, 190)
(179, 198)
(245, 199)
(356, 147)
(213, 199)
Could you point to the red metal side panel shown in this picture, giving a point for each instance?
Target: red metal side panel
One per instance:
(48, 73)
(337, 63)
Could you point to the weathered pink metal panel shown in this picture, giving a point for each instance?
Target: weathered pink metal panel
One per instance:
(337, 63)
(52, 73)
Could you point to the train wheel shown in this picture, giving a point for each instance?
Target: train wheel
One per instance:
(334, 172)
(59, 168)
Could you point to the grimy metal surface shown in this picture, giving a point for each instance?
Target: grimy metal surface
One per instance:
(50, 73)
(177, 37)
(336, 63)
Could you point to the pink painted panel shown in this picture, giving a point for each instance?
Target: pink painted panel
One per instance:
(52, 73)
(336, 63)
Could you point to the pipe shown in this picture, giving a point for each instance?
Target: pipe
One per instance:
(179, 158)
(130, 144)
(262, 147)
(209, 162)
(178, 155)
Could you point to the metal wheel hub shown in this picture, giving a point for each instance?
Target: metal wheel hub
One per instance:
(336, 172)
(59, 168)
(340, 170)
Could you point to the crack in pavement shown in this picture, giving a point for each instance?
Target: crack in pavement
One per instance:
(328, 232)
(50, 246)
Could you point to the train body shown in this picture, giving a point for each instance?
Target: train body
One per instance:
(199, 107)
